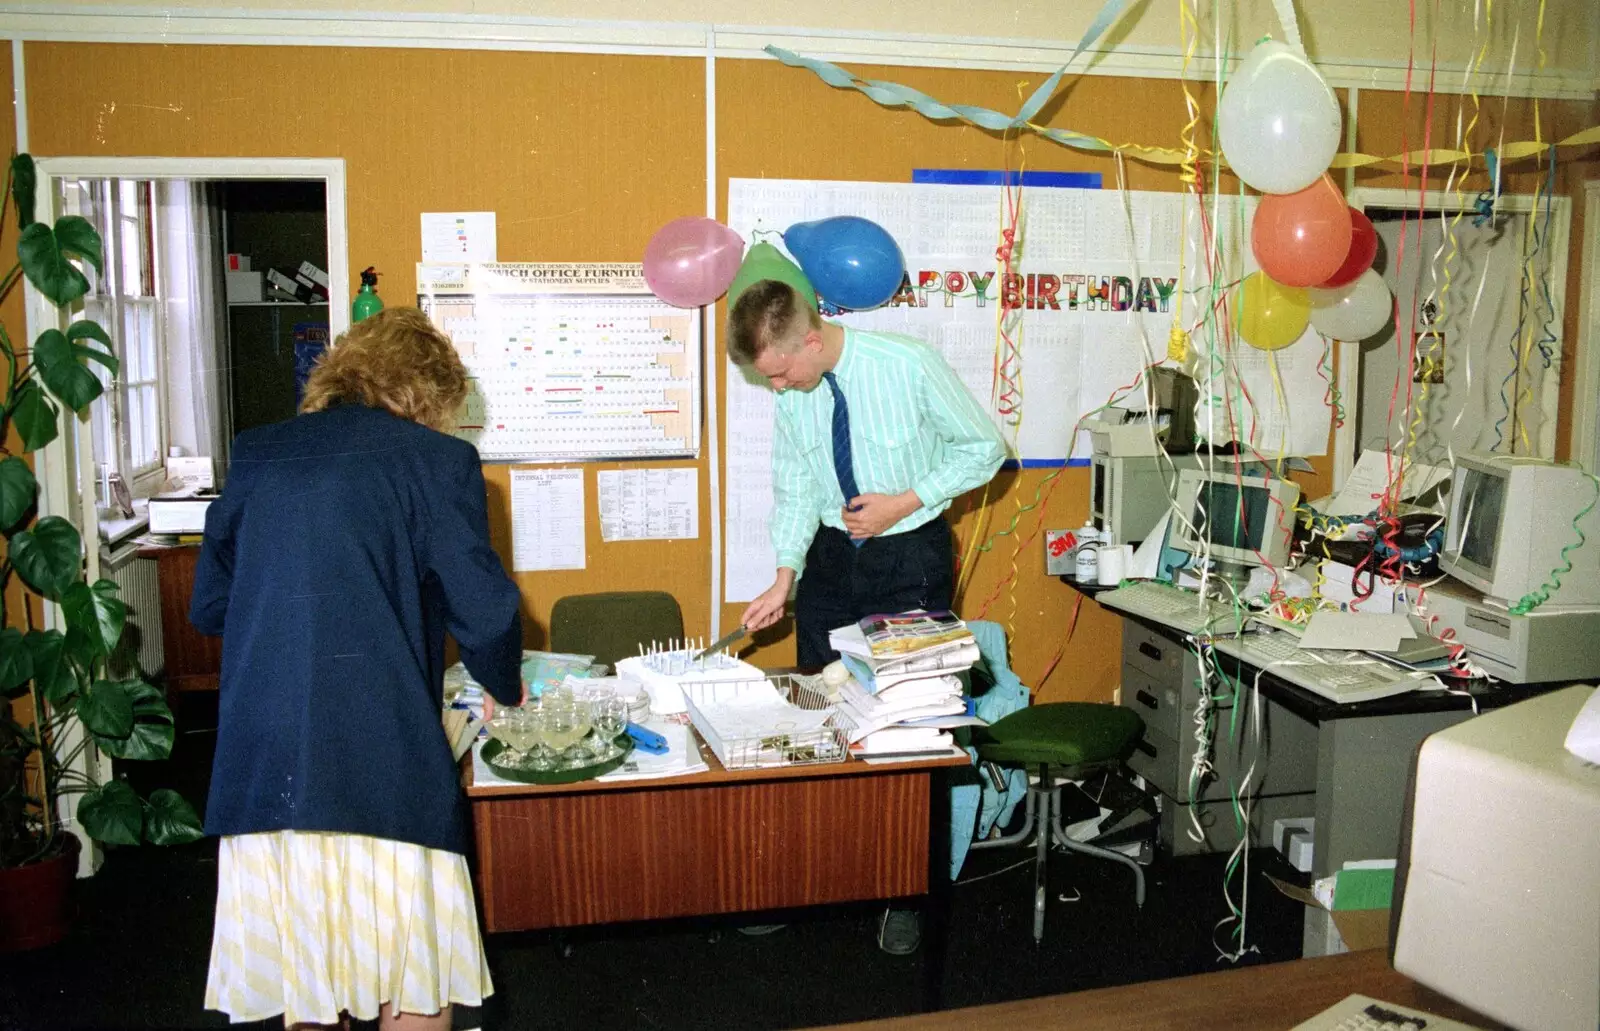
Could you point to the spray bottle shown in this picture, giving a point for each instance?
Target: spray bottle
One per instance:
(367, 301)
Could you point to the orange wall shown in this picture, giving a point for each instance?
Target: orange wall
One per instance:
(584, 156)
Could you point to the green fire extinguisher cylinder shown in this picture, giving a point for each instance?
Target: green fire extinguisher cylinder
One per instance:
(367, 301)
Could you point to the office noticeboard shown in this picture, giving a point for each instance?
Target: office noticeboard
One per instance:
(569, 361)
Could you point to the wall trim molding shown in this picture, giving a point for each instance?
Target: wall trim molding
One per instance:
(123, 24)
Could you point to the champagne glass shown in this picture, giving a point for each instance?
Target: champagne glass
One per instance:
(610, 719)
(537, 720)
(561, 728)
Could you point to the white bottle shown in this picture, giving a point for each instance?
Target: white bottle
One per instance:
(1087, 558)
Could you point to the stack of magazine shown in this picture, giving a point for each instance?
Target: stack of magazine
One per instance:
(905, 696)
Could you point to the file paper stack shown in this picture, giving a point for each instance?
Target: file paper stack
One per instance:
(905, 696)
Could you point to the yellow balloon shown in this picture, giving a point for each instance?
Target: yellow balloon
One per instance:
(1271, 315)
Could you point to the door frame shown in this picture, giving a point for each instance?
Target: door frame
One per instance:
(64, 468)
(1435, 202)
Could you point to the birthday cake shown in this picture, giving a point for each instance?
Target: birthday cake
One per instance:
(663, 672)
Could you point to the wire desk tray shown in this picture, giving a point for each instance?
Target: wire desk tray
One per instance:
(798, 725)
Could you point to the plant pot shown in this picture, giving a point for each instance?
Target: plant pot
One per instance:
(36, 900)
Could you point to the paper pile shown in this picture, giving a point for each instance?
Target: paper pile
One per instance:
(903, 706)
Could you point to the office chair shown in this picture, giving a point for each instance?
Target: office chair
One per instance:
(1065, 741)
(613, 625)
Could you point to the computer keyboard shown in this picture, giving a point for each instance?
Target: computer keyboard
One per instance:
(1338, 676)
(1360, 1013)
(1175, 607)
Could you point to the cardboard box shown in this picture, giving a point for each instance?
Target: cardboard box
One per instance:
(242, 287)
(1060, 553)
(1357, 898)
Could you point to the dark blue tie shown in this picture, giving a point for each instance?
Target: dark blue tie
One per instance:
(844, 465)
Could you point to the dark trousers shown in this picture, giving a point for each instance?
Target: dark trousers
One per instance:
(843, 583)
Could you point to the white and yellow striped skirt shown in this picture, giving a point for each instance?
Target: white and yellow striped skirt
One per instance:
(311, 924)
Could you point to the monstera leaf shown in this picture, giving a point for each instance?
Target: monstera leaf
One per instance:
(46, 253)
(52, 673)
(112, 813)
(106, 710)
(169, 820)
(18, 488)
(150, 736)
(96, 613)
(48, 556)
(62, 371)
(24, 184)
(33, 415)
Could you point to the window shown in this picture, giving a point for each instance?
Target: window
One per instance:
(129, 420)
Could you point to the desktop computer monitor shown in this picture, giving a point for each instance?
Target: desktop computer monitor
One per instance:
(1240, 520)
(1497, 885)
(1510, 518)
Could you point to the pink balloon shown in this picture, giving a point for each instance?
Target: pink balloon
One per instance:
(1302, 238)
(690, 262)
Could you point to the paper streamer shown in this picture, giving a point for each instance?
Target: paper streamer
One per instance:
(891, 94)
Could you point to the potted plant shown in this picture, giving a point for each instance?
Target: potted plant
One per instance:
(63, 672)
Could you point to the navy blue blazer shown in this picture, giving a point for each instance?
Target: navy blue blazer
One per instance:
(344, 546)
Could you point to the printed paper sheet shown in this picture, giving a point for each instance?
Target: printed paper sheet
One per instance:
(649, 504)
(547, 521)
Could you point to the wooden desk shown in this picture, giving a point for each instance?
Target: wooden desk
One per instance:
(717, 842)
(193, 661)
(1269, 997)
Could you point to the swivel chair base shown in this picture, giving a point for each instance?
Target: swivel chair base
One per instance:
(1043, 809)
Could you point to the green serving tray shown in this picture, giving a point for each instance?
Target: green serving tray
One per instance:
(492, 748)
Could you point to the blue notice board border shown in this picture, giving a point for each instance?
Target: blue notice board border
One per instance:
(1045, 463)
(979, 177)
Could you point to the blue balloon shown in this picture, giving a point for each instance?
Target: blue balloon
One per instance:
(853, 262)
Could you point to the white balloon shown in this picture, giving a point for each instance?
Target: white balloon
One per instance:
(1355, 311)
(1278, 121)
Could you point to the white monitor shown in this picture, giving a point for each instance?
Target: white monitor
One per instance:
(1497, 887)
(1233, 517)
(1510, 518)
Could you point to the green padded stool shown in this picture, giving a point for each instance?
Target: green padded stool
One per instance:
(1069, 740)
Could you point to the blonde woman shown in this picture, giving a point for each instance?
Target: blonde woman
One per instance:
(347, 542)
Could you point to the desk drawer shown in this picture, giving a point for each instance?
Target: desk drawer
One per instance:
(1159, 704)
(1285, 759)
(1152, 653)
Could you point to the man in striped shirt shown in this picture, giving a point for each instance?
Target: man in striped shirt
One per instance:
(875, 437)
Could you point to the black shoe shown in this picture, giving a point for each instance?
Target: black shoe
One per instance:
(900, 931)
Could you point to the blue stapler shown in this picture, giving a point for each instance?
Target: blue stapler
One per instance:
(647, 740)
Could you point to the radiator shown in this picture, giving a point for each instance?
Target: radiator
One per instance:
(136, 579)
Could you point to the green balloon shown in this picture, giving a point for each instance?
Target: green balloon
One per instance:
(765, 261)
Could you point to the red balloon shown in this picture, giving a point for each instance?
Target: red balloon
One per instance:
(1363, 249)
(1300, 239)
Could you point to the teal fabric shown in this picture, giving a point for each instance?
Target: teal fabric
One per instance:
(1064, 734)
(975, 808)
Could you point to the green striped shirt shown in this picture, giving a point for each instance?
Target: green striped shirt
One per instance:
(913, 426)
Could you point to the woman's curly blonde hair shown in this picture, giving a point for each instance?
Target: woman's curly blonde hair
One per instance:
(397, 361)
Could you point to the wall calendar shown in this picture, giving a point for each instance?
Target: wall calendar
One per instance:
(569, 362)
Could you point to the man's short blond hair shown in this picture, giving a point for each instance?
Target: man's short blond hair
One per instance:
(397, 361)
(766, 313)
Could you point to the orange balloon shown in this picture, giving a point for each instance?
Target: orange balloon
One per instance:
(1301, 239)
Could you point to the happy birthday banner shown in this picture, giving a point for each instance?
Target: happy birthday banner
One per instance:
(1036, 291)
